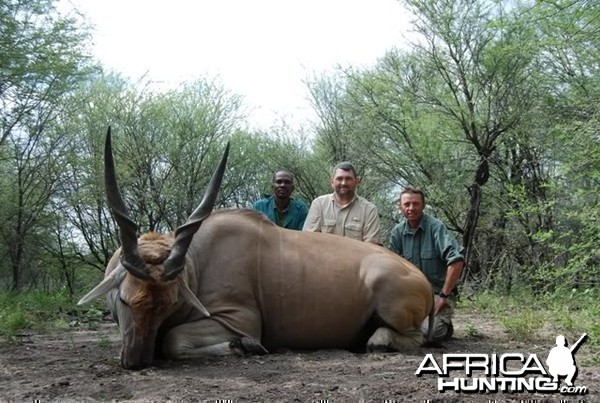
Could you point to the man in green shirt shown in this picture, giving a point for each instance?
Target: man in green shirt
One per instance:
(282, 208)
(426, 242)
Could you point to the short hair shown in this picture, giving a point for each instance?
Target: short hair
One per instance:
(285, 171)
(344, 166)
(412, 190)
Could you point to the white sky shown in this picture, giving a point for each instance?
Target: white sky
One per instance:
(259, 49)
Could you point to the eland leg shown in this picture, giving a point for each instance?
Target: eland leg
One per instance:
(401, 300)
(400, 331)
(207, 337)
(386, 339)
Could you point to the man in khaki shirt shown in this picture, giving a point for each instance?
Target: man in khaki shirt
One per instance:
(343, 212)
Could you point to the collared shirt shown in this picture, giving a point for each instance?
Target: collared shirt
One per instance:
(358, 220)
(292, 218)
(430, 247)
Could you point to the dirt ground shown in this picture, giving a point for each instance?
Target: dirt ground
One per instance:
(83, 365)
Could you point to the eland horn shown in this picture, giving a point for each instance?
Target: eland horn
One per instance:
(130, 257)
(184, 234)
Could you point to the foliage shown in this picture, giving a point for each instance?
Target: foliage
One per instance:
(166, 145)
(44, 57)
(44, 312)
(472, 330)
(526, 316)
(521, 326)
(104, 342)
(34, 310)
(493, 111)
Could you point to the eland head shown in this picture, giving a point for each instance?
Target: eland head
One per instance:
(145, 280)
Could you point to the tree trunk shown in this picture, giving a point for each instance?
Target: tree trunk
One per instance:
(17, 259)
(481, 177)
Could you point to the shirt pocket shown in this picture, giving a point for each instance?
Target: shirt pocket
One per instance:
(353, 229)
(429, 263)
(328, 226)
(427, 254)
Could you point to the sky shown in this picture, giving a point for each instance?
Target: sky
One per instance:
(263, 50)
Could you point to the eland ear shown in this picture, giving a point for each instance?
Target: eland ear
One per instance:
(189, 297)
(113, 280)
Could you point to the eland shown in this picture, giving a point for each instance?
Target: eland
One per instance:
(232, 282)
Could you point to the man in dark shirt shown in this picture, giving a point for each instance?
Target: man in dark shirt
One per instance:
(282, 208)
(426, 242)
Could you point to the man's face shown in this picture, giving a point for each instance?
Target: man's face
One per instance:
(344, 183)
(283, 185)
(411, 205)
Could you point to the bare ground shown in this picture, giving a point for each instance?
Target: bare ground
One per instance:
(83, 365)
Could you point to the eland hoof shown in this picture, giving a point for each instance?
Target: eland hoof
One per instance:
(248, 345)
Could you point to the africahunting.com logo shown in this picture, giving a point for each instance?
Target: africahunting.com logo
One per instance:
(509, 372)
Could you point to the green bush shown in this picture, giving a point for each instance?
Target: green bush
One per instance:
(34, 310)
(570, 312)
(522, 325)
(12, 322)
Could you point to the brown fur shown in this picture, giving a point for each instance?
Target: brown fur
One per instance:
(245, 212)
(154, 247)
(280, 288)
